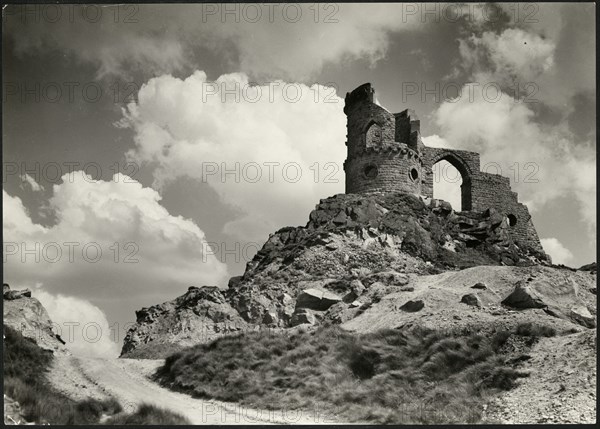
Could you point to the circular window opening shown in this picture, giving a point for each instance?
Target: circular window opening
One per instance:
(512, 219)
(371, 171)
(414, 174)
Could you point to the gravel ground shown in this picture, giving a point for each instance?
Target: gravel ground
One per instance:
(561, 387)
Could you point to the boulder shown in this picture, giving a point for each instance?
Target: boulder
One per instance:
(524, 296)
(589, 267)
(287, 306)
(16, 294)
(234, 281)
(340, 313)
(303, 316)
(582, 316)
(357, 287)
(356, 290)
(413, 306)
(479, 285)
(270, 318)
(5, 288)
(389, 278)
(559, 298)
(471, 299)
(445, 206)
(316, 299)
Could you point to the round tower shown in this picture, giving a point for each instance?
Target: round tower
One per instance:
(384, 149)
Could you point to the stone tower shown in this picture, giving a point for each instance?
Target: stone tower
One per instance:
(386, 154)
(384, 149)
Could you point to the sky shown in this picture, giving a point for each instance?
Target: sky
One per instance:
(149, 148)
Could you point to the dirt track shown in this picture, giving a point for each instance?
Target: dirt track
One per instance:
(127, 380)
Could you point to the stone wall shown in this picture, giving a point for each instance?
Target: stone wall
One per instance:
(386, 154)
(493, 191)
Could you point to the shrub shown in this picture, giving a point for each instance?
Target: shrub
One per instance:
(363, 362)
(23, 358)
(535, 330)
(499, 339)
(93, 409)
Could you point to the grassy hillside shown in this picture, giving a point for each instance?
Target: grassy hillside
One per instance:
(25, 368)
(417, 376)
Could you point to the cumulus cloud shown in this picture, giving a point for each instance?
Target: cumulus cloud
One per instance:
(546, 61)
(82, 325)
(112, 242)
(15, 217)
(263, 39)
(572, 29)
(110, 38)
(435, 140)
(35, 186)
(271, 151)
(511, 55)
(559, 253)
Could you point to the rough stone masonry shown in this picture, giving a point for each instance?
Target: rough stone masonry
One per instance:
(386, 154)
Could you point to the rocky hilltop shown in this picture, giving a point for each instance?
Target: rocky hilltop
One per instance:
(25, 314)
(377, 261)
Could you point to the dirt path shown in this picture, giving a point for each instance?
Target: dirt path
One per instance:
(127, 380)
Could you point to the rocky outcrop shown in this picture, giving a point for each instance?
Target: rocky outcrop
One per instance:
(27, 315)
(354, 251)
(303, 316)
(589, 267)
(16, 294)
(560, 299)
(316, 299)
(200, 315)
(413, 306)
(377, 238)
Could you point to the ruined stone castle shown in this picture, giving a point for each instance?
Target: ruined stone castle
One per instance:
(386, 154)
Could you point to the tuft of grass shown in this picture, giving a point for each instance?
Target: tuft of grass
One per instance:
(41, 404)
(94, 409)
(530, 329)
(23, 358)
(389, 376)
(148, 414)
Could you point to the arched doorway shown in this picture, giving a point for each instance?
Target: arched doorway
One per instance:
(452, 182)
